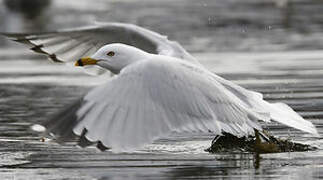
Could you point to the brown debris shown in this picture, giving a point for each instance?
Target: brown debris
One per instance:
(260, 143)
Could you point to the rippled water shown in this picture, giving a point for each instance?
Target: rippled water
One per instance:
(32, 89)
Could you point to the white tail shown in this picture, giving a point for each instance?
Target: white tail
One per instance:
(282, 113)
(279, 112)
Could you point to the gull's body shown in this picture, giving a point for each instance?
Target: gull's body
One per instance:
(154, 94)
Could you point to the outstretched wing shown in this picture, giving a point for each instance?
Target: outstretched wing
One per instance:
(151, 99)
(71, 44)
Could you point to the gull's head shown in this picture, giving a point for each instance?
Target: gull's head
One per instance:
(114, 57)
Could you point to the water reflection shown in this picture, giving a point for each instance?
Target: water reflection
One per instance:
(199, 171)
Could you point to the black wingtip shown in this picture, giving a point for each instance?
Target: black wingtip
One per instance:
(54, 58)
(83, 141)
(101, 147)
(38, 49)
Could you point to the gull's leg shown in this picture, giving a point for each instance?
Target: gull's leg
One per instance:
(258, 140)
(264, 147)
(262, 135)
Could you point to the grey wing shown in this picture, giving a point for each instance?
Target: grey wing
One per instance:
(71, 44)
(151, 99)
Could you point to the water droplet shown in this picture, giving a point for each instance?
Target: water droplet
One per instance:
(38, 128)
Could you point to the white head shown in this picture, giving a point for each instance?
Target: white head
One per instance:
(114, 57)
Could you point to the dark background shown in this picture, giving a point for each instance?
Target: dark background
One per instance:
(201, 26)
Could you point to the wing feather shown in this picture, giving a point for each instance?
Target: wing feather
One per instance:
(151, 99)
(54, 44)
(154, 97)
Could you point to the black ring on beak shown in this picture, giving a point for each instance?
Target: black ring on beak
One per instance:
(80, 62)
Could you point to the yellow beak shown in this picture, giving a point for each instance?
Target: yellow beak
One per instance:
(85, 61)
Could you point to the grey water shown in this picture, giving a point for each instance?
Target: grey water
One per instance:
(284, 62)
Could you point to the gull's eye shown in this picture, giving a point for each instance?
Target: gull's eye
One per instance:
(111, 53)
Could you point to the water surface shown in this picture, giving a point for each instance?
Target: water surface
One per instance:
(33, 89)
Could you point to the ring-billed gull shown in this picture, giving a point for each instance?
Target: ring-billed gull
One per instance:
(157, 89)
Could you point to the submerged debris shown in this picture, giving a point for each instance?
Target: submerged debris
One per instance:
(260, 143)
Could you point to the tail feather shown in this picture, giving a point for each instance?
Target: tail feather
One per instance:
(284, 114)
(279, 112)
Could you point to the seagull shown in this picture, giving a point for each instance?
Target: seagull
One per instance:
(157, 88)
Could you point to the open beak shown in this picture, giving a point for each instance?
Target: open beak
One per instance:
(85, 61)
